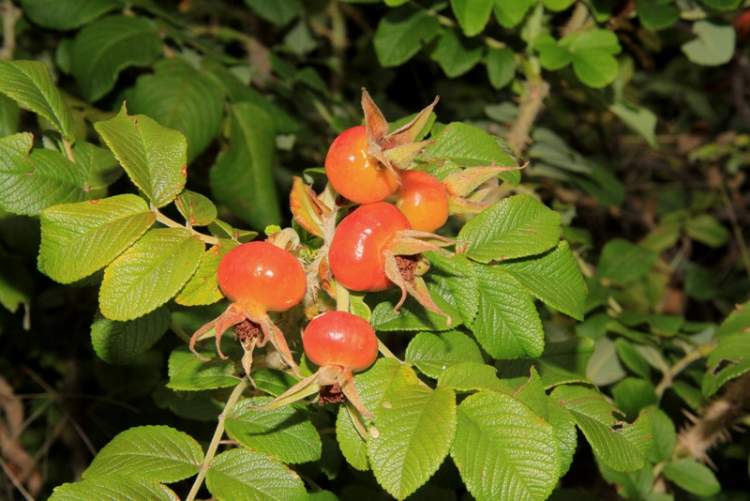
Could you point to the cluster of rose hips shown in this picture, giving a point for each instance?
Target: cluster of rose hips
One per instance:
(376, 246)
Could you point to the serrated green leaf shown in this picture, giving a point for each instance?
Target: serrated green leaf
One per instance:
(692, 476)
(242, 177)
(244, 475)
(610, 447)
(586, 401)
(468, 145)
(32, 182)
(197, 209)
(279, 13)
(553, 277)
(196, 405)
(99, 167)
(472, 376)
(121, 342)
(113, 487)
(501, 66)
(374, 385)
(433, 353)
(623, 262)
(729, 360)
(283, 433)
(507, 323)
(416, 427)
(456, 274)
(107, 46)
(81, 238)
(517, 226)
(203, 286)
(149, 273)
(30, 84)
(713, 46)
(503, 450)
(182, 98)
(472, 15)
(187, 372)
(456, 56)
(413, 317)
(154, 157)
(532, 393)
(66, 15)
(401, 33)
(663, 436)
(10, 116)
(157, 453)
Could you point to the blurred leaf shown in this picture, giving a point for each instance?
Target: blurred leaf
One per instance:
(157, 453)
(66, 15)
(511, 12)
(30, 84)
(503, 450)
(121, 342)
(149, 273)
(501, 66)
(434, 353)
(623, 262)
(179, 97)
(692, 476)
(633, 394)
(242, 176)
(104, 48)
(81, 238)
(401, 33)
(632, 358)
(604, 368)
(472, 15)
(707, 230)
(154, 157)
(278, 12)
(10, 116)
(245, 475)
(641, 120)
(557, 5)
(713, 46)
(456, 56)
(657, 14)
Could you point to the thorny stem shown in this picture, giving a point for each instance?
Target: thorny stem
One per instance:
(218, 434)
(736, 228)
(10, 15)
(167, 221)
(531, 104)
(679, 366)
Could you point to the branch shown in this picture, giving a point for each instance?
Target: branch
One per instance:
(10, 14)
(216, 439)
(682, 364)
(167, 221)
(712, 426)
(530, 107)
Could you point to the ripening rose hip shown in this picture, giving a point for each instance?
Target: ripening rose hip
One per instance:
(257, 277)
(358, 251)
(341, 339)
(423, 199)
(354, 173)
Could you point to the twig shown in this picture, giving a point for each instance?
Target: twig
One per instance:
(577, 19)
(167, 221)
(15, 482)
(530, 107)
(68, 147)
(218, 434)
(679, 366)
(10, 14)
(736, 228)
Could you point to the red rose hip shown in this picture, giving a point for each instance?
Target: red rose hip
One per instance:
(341, 339)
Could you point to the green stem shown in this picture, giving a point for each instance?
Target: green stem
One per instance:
(167, 221)
(679, 366)
(218, 434)
(342, 298)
